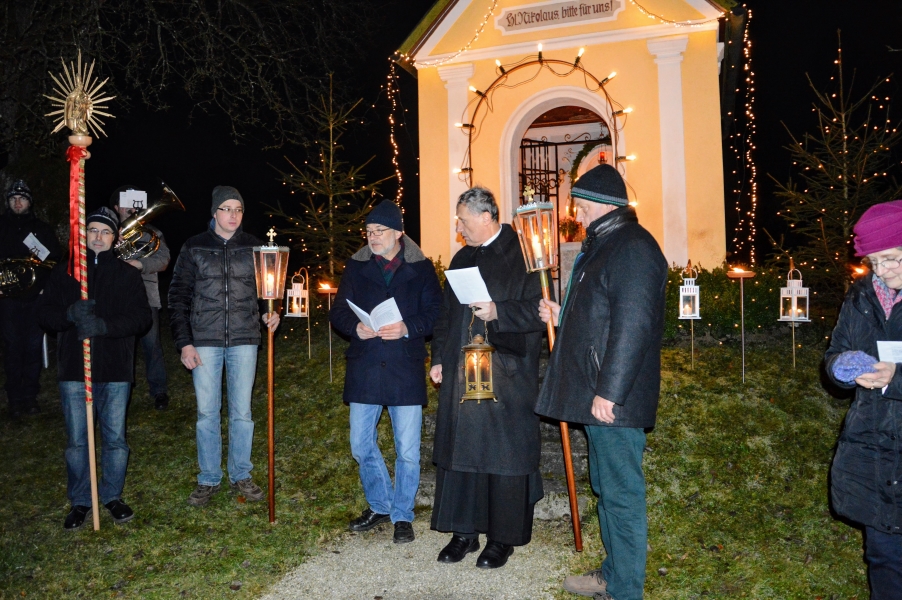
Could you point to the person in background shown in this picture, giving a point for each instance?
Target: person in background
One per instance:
(866, 476)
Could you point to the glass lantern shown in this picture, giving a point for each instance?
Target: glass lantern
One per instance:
(794, 299)
(536, 225)
(689, 294)
(478, 371)
(270, 265)
(297, 297)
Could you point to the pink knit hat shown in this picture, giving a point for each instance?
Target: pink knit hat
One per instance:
(879, 228)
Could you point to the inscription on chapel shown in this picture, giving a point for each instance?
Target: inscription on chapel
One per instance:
(555, 14)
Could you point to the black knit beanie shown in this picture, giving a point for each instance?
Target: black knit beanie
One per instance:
(388, 214)
(106, 216)
(19, 188)
(221, 193)
(602, 184)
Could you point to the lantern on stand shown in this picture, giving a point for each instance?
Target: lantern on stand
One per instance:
(477, 368)
(741, 274)
(689, 306)
(536, 226)
(297, 301)
(329, 291)
(794, 304)
(270, 265)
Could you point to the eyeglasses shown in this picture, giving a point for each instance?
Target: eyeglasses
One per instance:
(102, 232)
(886, 264)
(376, 232)
(231, 211)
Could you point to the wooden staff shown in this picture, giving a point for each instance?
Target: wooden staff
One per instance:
(565, 438)
(271, 410)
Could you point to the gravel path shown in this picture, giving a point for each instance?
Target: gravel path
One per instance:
(369, 566)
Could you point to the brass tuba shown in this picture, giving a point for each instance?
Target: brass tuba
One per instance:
(129, 245)
(18, 275)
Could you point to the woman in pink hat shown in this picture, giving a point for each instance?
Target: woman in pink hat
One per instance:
(866, 477)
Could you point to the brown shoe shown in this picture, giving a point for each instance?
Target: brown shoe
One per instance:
(248, 489)
(202, 494)
(586, 585)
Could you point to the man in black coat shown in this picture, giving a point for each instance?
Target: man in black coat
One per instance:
(605, 371)
(23, 235)
(115, 312)
(386, 367)
(487, 453)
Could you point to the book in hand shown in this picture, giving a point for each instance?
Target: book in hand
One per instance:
(382, 315)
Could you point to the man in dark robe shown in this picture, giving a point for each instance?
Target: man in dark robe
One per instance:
(487, 453)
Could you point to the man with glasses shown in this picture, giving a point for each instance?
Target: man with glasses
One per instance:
(386, 367)
(115, 312)
(214, 315)
(123, 201)
(23, 235)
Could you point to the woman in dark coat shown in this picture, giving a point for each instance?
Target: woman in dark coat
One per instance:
(487, 453)
(866, 478)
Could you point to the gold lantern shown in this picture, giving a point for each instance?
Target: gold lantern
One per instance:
(270, 265)
(478, 368)
(536, 225)
(689, 294)
(794, 298)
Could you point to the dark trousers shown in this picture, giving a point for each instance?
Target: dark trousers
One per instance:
(22, 347)
(883, 553)
(615, 470)
(153, 357)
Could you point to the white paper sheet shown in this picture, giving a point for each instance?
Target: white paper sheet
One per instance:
(36, 247)
(468, 285)
(384, 314)
(889, 352)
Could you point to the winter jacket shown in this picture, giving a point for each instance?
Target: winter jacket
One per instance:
(500, 437)
(121, 302)
(387, 372)
(866, 477)
(213, 293)
(13, 231)
(609, 339)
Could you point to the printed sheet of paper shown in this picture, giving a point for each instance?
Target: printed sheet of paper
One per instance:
(468, 285)
(384, 314)
(36, 247)
(890, 351)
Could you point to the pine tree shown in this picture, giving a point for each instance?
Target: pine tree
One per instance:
(842, 168)
(327, 222)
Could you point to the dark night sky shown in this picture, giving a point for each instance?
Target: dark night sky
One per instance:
(790, 38)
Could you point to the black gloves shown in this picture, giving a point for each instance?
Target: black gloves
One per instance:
(81, 310)
(91, 326)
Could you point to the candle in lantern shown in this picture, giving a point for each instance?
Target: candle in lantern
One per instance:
(537, 250)
(270, 285)
(687, 309)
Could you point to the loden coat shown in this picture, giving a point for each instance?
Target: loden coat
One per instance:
(866, 476)
(609, 338)
(387, 372)
(500, 438)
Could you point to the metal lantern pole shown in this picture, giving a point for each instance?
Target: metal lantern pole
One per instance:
(78, 107)
(326, 289)
(741, 275)
(689, 306)
(794, 304)
(536, 225)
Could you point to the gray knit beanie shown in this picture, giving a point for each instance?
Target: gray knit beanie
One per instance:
(221, 193)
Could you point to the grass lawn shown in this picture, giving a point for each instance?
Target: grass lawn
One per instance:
(737, 481)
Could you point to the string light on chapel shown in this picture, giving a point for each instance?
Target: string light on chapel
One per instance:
(661, 19)
(745, 231)
(479, 30)
(391, 92)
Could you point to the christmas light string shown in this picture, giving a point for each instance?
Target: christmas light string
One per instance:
(661, 19)
(391, 92)
(746, 211)
(439, 62)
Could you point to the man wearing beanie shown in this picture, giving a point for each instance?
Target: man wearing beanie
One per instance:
(486, 454)
(114, 314)
(386, 367)
(215, 315)
(23, 235)
(866, 476)
(124, 201)
(617, 286)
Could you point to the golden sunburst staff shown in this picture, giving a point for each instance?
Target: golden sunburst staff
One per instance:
(77, 98)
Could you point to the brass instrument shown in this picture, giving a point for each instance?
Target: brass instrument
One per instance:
(18, 275)
(129, 245)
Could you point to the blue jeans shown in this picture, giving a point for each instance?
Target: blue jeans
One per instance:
(883, 553)
(154, 366)
(615, 470)
(406, 423)
(240, 363)
(110, 403)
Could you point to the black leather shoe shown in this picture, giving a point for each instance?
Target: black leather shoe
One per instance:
(120, 511)
(403, 532)
(457, 548)
(367, 520)
(161, 401)
(495, 555)
(76, 517)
